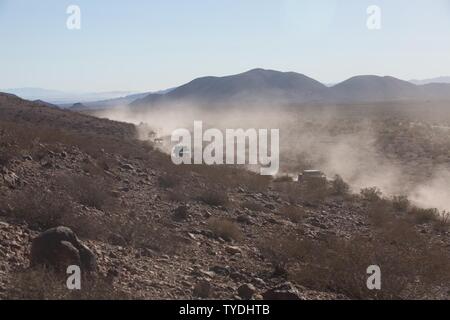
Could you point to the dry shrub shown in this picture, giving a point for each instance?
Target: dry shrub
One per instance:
(46, 210)
(91, 192)
(280, 252)
(218, 175)
(380, 213)
(253, 206)
(44, 284)
(169, 180)
(178, 194)
(401, 203)
(142, 233)
(411, 266)
(371, 194)
(93, 137)
(289, 191)
(339, 187)
(93, 169)
(6, 155)
(423, 216)
(225, 229)
(314, 191)
(281, 179)
(41, 210)
(254, 182)
(293, 213)
(443, 222)
(86, 226)
(230, 177)
(214, 198)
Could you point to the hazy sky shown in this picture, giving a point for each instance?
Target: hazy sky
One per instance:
(156, 44)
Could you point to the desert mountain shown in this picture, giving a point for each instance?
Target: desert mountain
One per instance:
(114, 103)
(374, 89)
(254, 86)
(258, 87)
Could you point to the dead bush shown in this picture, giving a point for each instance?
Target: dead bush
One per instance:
(284, 178)
(41, 210)
(141, 233)
(225, 229)
(178, 194)
(423, 216)
(281, 251)
(44, 284)
(371, 194)
(401, 203)
(86, 226)
(380, 213)
(168, 181)
(339, 187)
(214, 198)
(93, 169)
(91, 192)
(254, 182)
(293, 213)
(442, 223)
(253, 206)
(6, 155)
(290, 191)
(314, 191)
(411, 266)
(230, 177)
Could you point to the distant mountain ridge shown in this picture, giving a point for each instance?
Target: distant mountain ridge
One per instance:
(62, 97)
(255, 88)
(112, 103)
(432, 80)
(259, 86)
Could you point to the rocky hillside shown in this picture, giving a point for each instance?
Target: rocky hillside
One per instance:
(158, 231)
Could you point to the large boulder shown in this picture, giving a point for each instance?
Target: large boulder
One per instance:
(246, 291)
(59, 248)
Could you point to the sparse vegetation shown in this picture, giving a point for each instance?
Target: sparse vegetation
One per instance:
(315, 191)
(91, 192)
(339, 187)
(40, 209)
(214, 198)
(284, 178)
(168, 181)
(401, 203)
(72, 172)
(225, 229)
(44, 284)
(5, 156)
(340, 265)
(143, 234)
(380, 213)
(293, 213)
(423, 216)
(372, 194)
(252, 205)
(443, 222)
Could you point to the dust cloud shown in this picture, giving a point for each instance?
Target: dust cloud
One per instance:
(312, 138)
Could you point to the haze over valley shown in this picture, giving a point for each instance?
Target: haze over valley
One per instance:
(225, 150)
